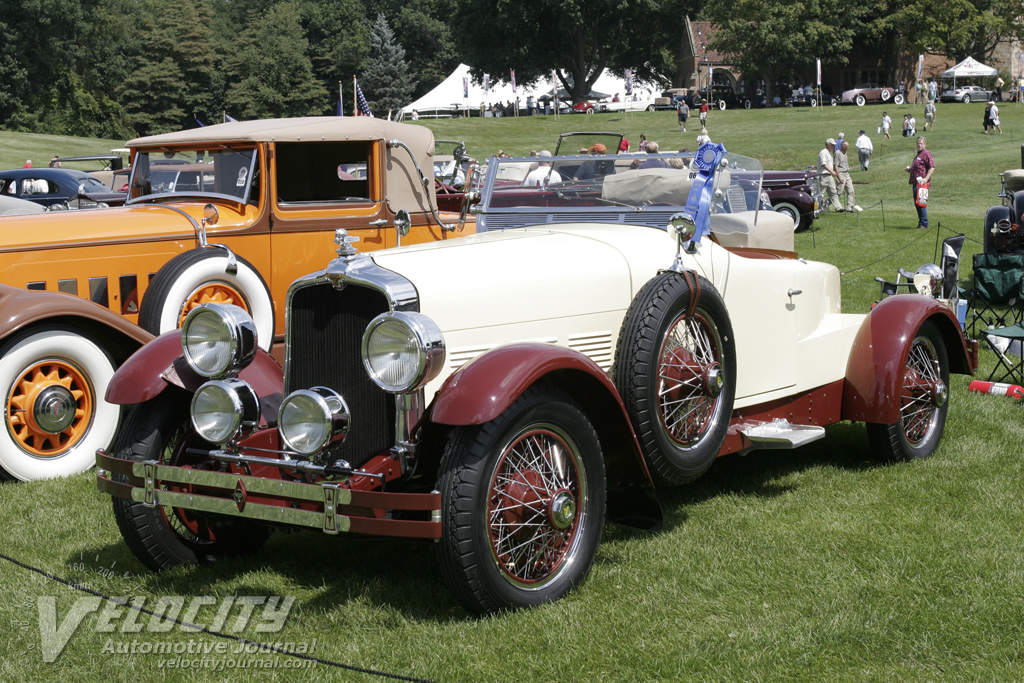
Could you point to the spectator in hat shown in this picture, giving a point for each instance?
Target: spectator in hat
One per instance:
(543, 175)
(28, 163)
(827, 174)
(592, 169)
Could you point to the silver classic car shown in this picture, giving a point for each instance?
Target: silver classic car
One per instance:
(505, 392)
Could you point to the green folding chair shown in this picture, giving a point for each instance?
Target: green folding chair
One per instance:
(996, 299)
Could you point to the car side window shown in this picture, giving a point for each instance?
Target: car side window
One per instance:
(324, 172)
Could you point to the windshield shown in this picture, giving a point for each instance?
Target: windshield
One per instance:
(637, 189)
(230, 173)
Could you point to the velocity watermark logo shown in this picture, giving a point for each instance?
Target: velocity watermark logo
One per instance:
(158, 614)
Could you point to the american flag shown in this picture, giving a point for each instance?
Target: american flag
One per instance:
(362, 108)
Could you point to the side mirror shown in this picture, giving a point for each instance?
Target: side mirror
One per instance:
(402, 222)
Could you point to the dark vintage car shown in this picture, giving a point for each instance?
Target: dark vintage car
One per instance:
(869, 93)
(796, 194)
(58, 188)
(967, 94)
(800, 97)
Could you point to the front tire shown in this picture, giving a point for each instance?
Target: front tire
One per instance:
(201, 276)
(54, 380)
(899, 99)
(923, 401)
(524, 499)
(650, 107)
(675, 368)
(162, 537)
(721, 105)
(967, 99)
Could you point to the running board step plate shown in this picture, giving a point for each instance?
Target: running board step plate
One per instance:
(779, 434)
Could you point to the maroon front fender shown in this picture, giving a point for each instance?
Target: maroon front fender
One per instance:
(874, 369)
(160, 363)
(481, 390)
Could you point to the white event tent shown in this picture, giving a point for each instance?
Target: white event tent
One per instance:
(968, 68)
(448, 95)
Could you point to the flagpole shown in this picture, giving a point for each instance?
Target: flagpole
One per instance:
(341, 101)
(355, 102)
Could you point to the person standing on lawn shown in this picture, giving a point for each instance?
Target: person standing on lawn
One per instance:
(886, 125)
(704, 109)
(683, 110)
(842, 164)
(827, 174)
(921, 170)
(864, 150)
(929, 115)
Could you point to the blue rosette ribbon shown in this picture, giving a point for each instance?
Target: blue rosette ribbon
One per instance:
(698, 203)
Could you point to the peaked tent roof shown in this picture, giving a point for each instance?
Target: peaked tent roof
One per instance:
(449, 93)
(967, 68)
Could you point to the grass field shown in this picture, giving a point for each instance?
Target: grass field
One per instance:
(820, 564)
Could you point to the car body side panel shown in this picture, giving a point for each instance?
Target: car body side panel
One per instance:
(879, 355)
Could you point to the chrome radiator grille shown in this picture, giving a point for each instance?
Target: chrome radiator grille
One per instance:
(325, 333)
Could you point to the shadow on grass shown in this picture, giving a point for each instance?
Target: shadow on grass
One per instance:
(328, 573)
(760, 474)
(403, 575)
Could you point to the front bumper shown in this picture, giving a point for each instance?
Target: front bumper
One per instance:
(331, 507)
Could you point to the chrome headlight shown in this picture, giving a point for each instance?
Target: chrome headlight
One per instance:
(218, 339)
(402, 351)
(223, 409)
(311, 419)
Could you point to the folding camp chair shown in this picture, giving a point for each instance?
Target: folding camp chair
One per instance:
(1006, 342)
(995, 300)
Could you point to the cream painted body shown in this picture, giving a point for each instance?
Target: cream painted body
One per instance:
(572, 285)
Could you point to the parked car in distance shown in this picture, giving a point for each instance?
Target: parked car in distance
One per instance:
(12, 206)
(627, 104)
(57, 188)
(231, 212)
(870, 93)
(585, 107)
(824, 97)
(795, 193)
(100, 165)
(619, 333)
(966, 94)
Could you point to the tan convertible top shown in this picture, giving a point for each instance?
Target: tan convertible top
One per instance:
(403, 187)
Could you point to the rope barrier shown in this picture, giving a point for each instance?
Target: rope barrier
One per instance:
(263, 647)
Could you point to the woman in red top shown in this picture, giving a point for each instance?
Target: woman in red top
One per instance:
(921, 169)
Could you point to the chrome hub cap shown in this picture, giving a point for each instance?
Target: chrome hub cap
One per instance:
(54, 409)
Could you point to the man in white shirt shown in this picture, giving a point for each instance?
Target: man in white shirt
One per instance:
(864, 150)
(543, 175)
(827, 174)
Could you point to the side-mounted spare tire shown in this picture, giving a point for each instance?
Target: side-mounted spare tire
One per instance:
(202, 276)
(675, 368)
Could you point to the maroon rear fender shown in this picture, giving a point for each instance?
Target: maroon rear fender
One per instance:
(160, 363)
(879, 355)
(482, 389)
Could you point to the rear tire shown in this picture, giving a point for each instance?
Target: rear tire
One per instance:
(924, 402)
(899, 99)
(860, 100)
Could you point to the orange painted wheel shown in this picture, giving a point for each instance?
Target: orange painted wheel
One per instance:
(53, 380)
(212, 293)
(49, 408)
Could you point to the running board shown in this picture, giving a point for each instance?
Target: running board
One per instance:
(778, 434)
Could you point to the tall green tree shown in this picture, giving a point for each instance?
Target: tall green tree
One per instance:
(773, 38)
(579, 38)
(423, 29)
(272, 73)
(385, 80)
(339, 43)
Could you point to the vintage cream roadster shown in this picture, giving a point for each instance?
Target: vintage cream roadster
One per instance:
(503, 393)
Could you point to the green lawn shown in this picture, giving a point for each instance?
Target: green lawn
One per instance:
(819, 564)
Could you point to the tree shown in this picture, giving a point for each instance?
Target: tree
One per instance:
(272, 74)
(771, 38)
(339, 41)
(386, 80)
(579, 38)
(423, 29)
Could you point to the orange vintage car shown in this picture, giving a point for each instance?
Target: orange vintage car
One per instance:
(228, 213)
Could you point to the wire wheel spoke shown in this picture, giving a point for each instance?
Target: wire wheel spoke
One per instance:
(685, 405)
(920, 379)
(536, 468)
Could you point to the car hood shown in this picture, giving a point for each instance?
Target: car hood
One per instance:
(55, 229)
(530, 274)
